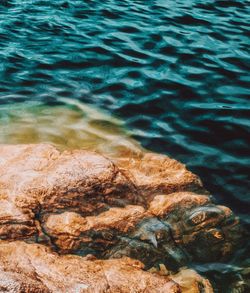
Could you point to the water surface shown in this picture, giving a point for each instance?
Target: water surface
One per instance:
(176, 72)
(70, 125)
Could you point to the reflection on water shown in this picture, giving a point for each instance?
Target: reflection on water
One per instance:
(176, 72)
(70, 125)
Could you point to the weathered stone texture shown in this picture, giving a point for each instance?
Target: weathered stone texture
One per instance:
(147, 207)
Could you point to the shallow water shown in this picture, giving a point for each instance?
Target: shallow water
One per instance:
(71, 125)
(175, 72)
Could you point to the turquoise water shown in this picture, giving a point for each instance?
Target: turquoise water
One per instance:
(176, 72)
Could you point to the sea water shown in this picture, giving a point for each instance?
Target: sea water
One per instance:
(176, 73)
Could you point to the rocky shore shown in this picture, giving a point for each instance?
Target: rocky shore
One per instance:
(77, 221)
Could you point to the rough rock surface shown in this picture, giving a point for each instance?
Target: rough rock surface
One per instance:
(149, 208)
(44, 271)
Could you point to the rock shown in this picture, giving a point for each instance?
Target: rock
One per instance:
(35, 268)
(175, 229)
(147, 207)
(157, 174)
(190, 282)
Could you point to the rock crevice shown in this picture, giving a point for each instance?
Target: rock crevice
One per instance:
(149, 208)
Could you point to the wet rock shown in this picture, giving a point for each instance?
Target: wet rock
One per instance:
(204, 231)
(147, 207)
(175, 229)
(158, 174)
(34, 268)
(189, 282)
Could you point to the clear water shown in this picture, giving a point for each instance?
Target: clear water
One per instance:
(175, 72)
(71, 125)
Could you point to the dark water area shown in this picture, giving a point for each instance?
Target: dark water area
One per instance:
(176, 72)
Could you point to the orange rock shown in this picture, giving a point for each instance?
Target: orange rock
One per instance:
(158, 174)
(147, 207)
(34, 268)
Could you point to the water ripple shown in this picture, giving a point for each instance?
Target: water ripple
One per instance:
(177, 72)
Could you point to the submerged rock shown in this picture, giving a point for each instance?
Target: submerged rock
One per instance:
(147, 207)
